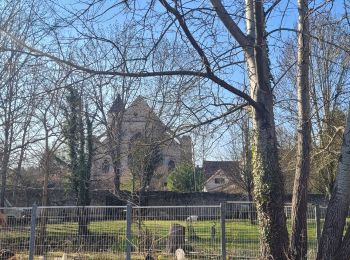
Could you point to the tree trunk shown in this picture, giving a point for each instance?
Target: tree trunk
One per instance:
(299, 201)
(45, 196)
(19, 168)
(4, 167)
(21, 156)
(83, 223)
(332, 234)
(268, 181)
(247, 160)
(269, 190)
(114, 140)
(344, 251)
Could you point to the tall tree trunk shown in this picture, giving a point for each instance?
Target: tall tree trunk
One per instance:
(114, 135)
(21, 155)
(18, 170)
(344, 251)
(268, 181)
(5, 162)
(247, 159)
(299, 201)
(338, 207)
(247, 167)
(4, 167)
(45, 195)
(114, 140)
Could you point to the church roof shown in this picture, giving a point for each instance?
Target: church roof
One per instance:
(118, 105)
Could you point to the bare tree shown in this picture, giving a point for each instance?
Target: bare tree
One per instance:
(299, 202)
(268, 182)
(330, 72)
(210, 60)
(48, 114)
(15, 88)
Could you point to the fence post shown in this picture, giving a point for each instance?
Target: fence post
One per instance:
(223, 229)
(128, 231)
(32, 232)
(318, 224)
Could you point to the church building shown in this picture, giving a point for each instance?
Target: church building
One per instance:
(139, 122)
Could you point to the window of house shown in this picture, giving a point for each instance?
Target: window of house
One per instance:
(219, 180)
(171, 165)
(105, 166)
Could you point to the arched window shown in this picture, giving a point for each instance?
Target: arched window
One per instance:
(105, 166)
(171, 165)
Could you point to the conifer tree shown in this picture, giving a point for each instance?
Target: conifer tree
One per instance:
(79, 139)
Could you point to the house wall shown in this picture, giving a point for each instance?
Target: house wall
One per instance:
(211, 185)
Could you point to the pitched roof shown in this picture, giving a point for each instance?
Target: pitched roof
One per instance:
(140, 104)
(118, 105)
(211, 167)
(218, 173)
(228, 186)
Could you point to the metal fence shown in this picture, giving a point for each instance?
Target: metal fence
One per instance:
(226, 231)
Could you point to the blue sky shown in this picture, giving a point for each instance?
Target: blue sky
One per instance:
(283, 16)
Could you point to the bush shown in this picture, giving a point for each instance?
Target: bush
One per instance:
(186, 178)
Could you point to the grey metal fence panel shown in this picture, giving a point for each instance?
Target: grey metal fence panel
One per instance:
(81, 232)
(160, 231)
(203, 232)
(15, 230)
(242, 232)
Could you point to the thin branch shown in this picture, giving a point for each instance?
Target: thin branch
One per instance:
(344, 48)
(231, 26)
(189, 35)
(140, 74)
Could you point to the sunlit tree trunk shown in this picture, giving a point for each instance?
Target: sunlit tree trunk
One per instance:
(7, 146)
(299, 201)
(331, 246)
(268, 181)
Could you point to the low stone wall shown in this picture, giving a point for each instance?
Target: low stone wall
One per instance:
(57, 197)
(158, 198)
(60, 197)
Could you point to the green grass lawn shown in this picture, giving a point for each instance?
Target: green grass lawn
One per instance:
(109, 237)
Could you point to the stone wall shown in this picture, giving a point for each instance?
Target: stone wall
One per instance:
(59, 197)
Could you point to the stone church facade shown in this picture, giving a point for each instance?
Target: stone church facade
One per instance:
(139, 121)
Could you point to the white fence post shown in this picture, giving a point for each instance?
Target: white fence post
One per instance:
(32, 232)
